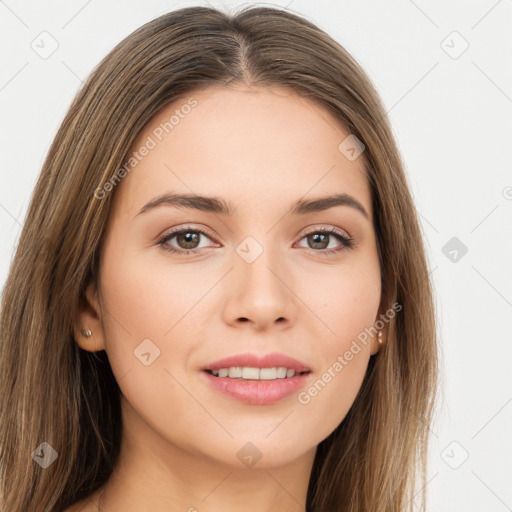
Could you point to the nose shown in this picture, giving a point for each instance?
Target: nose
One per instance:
(260, 293)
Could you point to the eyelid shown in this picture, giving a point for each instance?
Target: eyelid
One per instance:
(330, 228)
(343, 237)
(211, 235)
(346, 241)
(175, 231)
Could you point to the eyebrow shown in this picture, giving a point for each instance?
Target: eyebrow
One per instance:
(220, 206)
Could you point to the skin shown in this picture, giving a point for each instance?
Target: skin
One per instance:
(261, 149)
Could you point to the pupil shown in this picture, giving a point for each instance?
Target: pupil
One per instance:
(316, 237)
(188, 238)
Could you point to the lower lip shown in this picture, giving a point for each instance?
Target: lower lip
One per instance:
(258, 392)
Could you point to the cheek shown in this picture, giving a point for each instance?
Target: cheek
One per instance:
(149, 299)
(344, 298)
(149, 322)
(151, 307)
(347, 304)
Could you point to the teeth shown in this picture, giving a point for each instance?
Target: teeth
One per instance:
(250, 373)
(235, 372)
(281, 372)
(246, 372)
(268, 373)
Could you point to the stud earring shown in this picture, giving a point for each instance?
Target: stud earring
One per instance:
(379, 337)
(86, 333)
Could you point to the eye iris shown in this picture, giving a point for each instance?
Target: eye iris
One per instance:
(187, 236)
(315, 239)
(190, 239)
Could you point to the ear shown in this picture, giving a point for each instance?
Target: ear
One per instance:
(88, 318)
(381, 320)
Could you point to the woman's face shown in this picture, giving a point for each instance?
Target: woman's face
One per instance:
(260, 280)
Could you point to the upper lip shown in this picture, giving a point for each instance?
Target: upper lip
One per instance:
(258, 361)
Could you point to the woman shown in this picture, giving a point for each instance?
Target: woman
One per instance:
(220, 297)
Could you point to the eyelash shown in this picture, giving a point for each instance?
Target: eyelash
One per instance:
(347, 242)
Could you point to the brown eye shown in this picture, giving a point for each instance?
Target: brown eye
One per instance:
(187, 240)
(319, 241)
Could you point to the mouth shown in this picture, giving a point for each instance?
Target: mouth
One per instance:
(257, 367)
(254, 373)
(257, 380)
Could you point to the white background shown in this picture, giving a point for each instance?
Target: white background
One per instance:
(452, 118)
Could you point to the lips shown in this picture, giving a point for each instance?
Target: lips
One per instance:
(257, 392)
(273, 360)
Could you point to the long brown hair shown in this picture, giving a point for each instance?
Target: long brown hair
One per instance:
(53, 391)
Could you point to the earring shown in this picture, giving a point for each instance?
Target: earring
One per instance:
(379, 337)
(86, 333)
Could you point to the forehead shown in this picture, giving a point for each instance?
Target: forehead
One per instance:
(243, 144)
